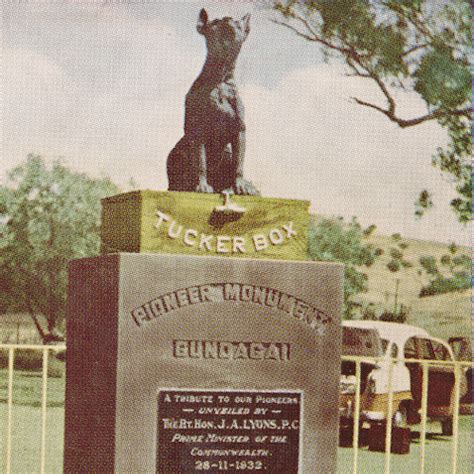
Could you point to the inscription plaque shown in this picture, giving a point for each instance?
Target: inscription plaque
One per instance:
(228, 431)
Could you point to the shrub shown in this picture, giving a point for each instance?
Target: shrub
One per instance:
(32, 361)
(441, 285)
(400, 316)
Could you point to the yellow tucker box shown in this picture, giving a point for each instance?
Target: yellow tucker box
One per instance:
(205, 224)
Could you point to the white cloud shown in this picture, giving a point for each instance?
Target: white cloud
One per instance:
(109, 98)
(38, 98)
(119, 110)
(307, 140)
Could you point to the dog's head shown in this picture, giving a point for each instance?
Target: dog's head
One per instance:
(225, 36)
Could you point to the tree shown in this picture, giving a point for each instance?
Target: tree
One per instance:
(333, 240)
(421, 46)
(48, 215)
(396, 263)
(451, 273)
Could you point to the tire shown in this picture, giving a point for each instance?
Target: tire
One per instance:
(346, 427)
(447, 427)
(346, 433)
(401, 439)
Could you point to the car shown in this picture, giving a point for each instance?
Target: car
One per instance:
(398, 342)
(462, 349)
(360, 342)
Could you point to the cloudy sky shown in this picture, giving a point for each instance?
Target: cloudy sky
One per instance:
(102, 85)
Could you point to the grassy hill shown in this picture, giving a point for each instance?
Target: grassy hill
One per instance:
(441, 315)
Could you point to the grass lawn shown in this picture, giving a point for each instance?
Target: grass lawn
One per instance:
(27, 389)
(26, 447)
(438, 457)
(27, 435)
(27, 438)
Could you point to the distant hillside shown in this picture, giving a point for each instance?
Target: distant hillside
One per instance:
(442, 315)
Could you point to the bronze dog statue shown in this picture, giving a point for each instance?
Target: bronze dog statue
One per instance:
(210, 156)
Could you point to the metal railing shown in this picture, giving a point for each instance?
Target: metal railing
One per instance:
(458, 369)
(12, 348)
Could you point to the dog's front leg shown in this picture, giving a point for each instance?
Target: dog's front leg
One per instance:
(199, 154)
(241, 186)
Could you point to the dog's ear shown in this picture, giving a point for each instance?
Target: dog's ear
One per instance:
(246, 23)
(202, 21)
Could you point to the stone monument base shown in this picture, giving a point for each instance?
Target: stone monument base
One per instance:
(183, 364)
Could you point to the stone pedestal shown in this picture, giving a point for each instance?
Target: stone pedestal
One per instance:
(183, 364)
(195, 224)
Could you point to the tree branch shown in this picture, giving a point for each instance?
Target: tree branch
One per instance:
(413, 49)
(312, 36)
(404, 123)
(362, 68)
(295, 30)
(35, 319)
(357, 72)
(435, 115)
(386, 93)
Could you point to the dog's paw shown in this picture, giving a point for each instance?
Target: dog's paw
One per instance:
(244, 187)
(203, 187)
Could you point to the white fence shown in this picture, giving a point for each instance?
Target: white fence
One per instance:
(458, 368)
(12, 349)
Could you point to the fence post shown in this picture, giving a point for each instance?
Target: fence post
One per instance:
(457, 396)
(355, 439)
(44, 401)
(388, 432)
(11, 358)
(424, 414)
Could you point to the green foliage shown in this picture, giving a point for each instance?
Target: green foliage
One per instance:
(423, 203)
(394, 266)
(333, 240)
(32, 361)
(379, 312)
(398, 316)
(368, 312)
(455, 161)
(397, 263)
(441, 285)
(397, 256)
(48, 216)
(418, 46)
(462, 261)
(370, 230)
(445, 260)
(441, 79)
(429, 265)
(451, 273)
